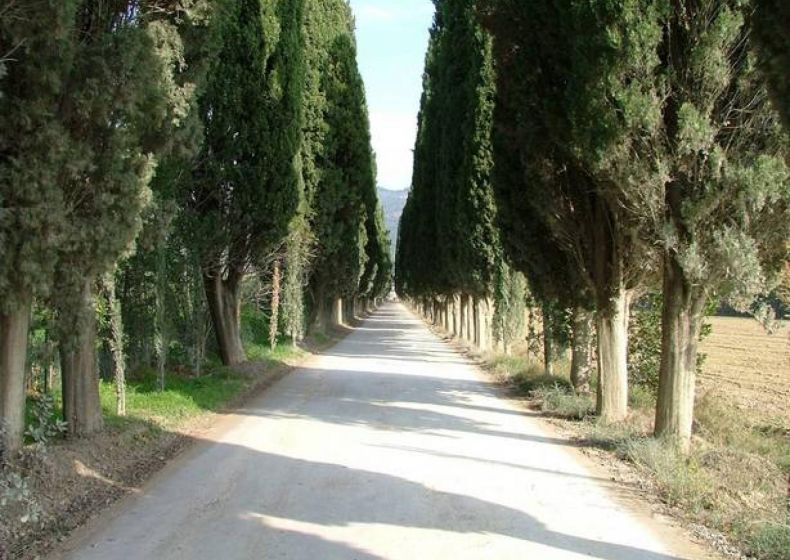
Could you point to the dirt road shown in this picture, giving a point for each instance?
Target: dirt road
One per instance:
(389, 446)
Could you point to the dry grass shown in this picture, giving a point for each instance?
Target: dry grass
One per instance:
(749, 369)
(735, 480)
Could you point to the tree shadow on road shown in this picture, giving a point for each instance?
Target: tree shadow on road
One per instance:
(328, 506)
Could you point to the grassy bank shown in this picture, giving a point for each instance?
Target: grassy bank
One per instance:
(734, 481)
(186, 397)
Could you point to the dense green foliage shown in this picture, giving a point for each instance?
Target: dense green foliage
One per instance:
(343, 187)
(771, 21)
(162, 155)
(451, 201)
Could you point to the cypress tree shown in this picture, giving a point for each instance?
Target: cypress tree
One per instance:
(34, 145)
(420, 271)
(247, 181)
(158, 282)
(656, 121)
(451, 201)
(115, 111)
(726, 216)
(89, 80)
(376, 278)
(556, 65)
(341, 171)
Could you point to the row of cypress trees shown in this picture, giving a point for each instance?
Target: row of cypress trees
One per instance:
(155, 156)
(451, 201)
(631, 145)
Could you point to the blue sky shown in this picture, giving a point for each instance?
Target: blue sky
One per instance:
(392, 37)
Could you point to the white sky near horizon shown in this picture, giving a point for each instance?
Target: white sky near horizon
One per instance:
(392, 37)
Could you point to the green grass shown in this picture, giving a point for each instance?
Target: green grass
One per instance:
(525, 376)
(560, 400)
(284, 351)
(183, 398)
(187, 397)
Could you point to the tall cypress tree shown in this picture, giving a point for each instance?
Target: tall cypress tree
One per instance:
(557, 63)
(342, 171)
(726, 216)
(115, 108)
(247, 179)
(451, 189)
(376, 278)
(420, 272)
(34, 146)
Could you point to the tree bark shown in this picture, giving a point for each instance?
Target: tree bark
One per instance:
(464, 312)
(14, 328)
(161, 327)
(81, 404)
(548, 341)
(456, 315)
(470, 319)
(224, 303)
(336, 317)
(681, 321)
(273, 320)
(482, 323)
(487, 323)
(116, 343)
(581, 356)
(612, 327)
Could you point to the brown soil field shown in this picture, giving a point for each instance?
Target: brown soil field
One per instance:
(749, 368)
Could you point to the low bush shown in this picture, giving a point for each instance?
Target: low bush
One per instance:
(560, 400)
(771, 541)
(526, 377)
(681, 480)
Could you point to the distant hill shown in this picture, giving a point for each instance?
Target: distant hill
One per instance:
(393, 202)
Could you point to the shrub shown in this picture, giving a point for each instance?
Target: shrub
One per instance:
(681, 480)
(44, 423)
(560, 400)
(641, 397)
(771, 541)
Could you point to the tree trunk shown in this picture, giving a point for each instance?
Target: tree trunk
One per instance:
(352, 307)
(224, 303)
(336, 318)
(581, 357)
(470, 319)
(481, 323)
(681, 321)
(161, 327)
(612, 326)
(457, 316)
(116, 342)
(320, 322)
(273, 320)
(81, 404)
(14, 328)
(548, 341)
(464, 310)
